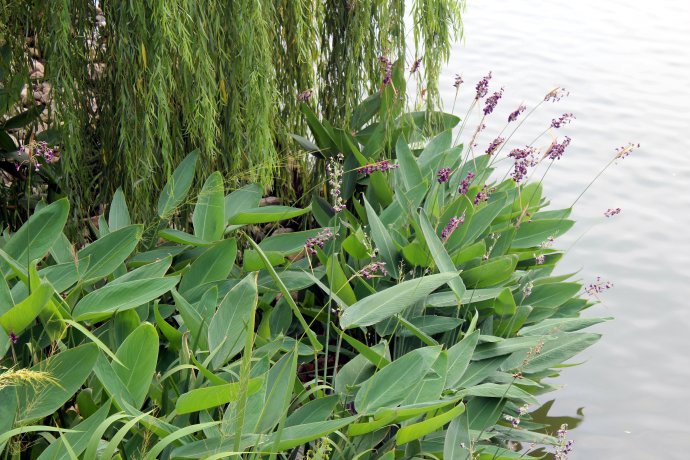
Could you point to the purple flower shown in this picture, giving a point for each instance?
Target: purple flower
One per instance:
(513, 116)
(319, 240)
(598, 286)
(625, 150)
(415, 65)
(539, 259)
(494, 145)
(524, 158)
(482, 195)
(36, 151)
(492, 101)
(556, 94)
(387, 67)
(458, 81)
(13, 338)
(465, 183)
(612, 212)
(370, 271)
(562, 120)
(556, 150)
(382, 166)
(443, 175)
(452, 225)
(564, 447)
(305, 96)
(483, 87)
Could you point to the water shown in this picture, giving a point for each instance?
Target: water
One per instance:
(627, 65)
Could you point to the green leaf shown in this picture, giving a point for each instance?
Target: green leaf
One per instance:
(418, 430)
(388, 302)
(382, 239)
(266, 214)
(111, 298)
(68, 370)
(441, 257)
(119, 214)
(503, 390)
(138, 355)
(213, 396)
(410, 172)
(22, 315)
(559, 350)
(228, 327)
(244, 198)
(428, 159)
(214, 264)
(390, 386)
(177, 236)
(251, 261)
(157, 449)
(209, 213)
(288, 243)
(338, 281)
(481, 220)
(106, 254)
(490, 273)
(557, 325)
(535, 232)
(76, 440)
(293, 436)
(177, 187)
(459, 356)
(35, 238)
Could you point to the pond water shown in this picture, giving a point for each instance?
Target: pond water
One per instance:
(627, 66)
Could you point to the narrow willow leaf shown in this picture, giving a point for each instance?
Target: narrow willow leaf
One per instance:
(209, 213)
(177, 187)
(384, 304)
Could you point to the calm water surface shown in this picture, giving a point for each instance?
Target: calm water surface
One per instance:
(627, 66)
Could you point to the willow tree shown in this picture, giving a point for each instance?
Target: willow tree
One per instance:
(136, 86)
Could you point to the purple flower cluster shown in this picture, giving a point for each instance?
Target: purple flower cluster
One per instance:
(562, 120)
(415, 65)
(625, 150)
(334, 171)
(598, 286)
(318, 240)
(465, 183)
(387, 67)
(494, 145)
(36, 151)
(305, 96)
(458, 81)
(382, 166)
(482, 195)
(374, 269)
(524, 158)
(491, 102)
(452, 225)
(483, 87)
(539, 259)
(513, 116)
(612, 212)
(564, 447)
(556, 94)
(13, 338)
(515, 421)
(556, 150)
(443, 175)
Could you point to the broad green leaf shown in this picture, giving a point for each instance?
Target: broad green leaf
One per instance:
(177, 236)
(504, 347)
(157, 449)
(280, 383)
(228, 327)
(429, 156)
(384, 304)
(35, 238)
(244, 198)
(409, 170)
(481, 219)
(213, 396)
(440, 256)
(67, 372)
(502, 390)
(557, 325)
(266, 214)
(389, 386)
(138, 355)
(288, 243)
(118, 216)
(106, 254)
(535, 232)
(318, 409)
(177, 187)
(209, 213)
(338, 281)
(111, 298)
(459, 356)
(76, 440)
(490, 273)
(293, 436)
(252, 262)
(212, 265)
(432, 324)
(559, 350)
(382, 239)
(457, 436)
(417, 430)
(22, 315)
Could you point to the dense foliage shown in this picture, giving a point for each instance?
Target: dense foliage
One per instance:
(417, 319)
(135, 85)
